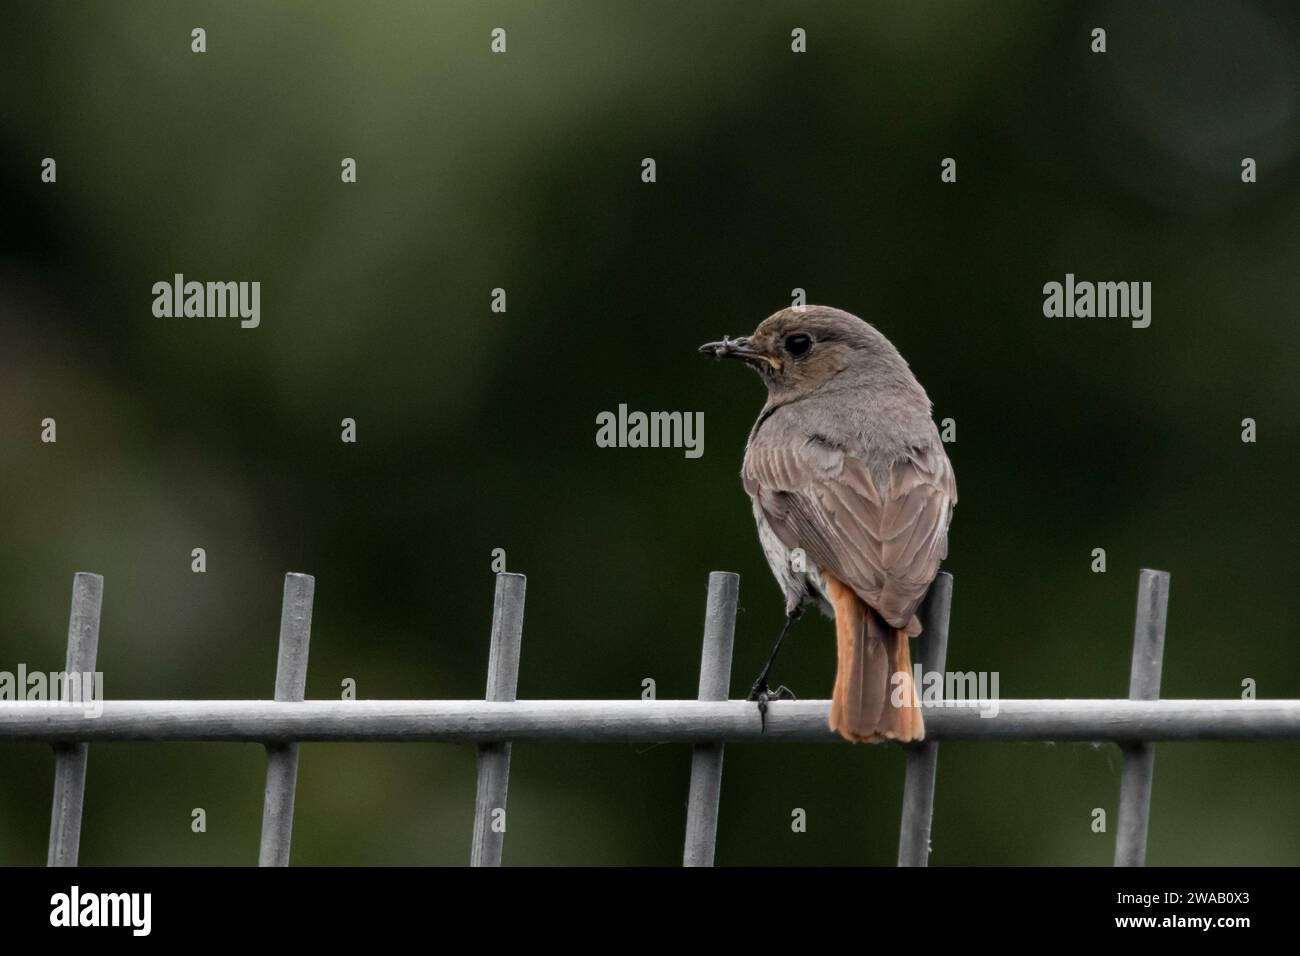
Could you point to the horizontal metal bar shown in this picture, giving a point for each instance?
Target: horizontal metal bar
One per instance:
(633, 720)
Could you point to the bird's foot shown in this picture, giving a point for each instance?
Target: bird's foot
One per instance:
(761, 693)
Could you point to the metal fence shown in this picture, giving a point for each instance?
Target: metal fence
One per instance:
(707, 722)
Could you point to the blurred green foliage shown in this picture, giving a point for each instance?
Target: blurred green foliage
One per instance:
(476, 430)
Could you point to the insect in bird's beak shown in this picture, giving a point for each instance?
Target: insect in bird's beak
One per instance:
(739, 349)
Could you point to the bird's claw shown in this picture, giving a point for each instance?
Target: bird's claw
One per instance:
(761, 694)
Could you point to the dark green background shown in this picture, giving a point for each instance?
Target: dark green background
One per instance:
(776, 171)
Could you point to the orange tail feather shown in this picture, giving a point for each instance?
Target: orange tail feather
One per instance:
(869, 703)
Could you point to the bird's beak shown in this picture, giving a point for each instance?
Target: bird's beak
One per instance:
(740, 348)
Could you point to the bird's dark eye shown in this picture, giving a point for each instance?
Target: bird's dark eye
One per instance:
(797, 345)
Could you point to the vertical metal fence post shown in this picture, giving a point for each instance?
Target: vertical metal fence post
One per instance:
(923, 758)
(715, 684)
(494, 758)
(290, 685)
(1144, 684)
(70, 758)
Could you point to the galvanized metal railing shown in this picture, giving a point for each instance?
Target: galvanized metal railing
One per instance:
(707, 723)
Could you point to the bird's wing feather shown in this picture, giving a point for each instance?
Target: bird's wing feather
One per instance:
(884, 542)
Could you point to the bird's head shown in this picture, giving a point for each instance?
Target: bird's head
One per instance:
(801, 349)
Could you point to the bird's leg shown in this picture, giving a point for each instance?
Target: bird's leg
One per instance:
(761, 692)
(761, 683)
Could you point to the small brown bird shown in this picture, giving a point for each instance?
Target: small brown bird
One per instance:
(853, 494)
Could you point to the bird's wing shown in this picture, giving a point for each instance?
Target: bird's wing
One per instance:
(885, 543)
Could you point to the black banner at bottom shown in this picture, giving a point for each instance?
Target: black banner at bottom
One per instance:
(762, 907)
